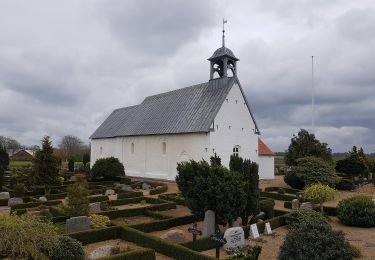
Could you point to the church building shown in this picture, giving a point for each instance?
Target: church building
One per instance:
(189, 123)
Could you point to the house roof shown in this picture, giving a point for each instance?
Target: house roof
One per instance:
(263, 148)
(186, 110)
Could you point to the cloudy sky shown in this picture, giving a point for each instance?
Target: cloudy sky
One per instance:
(65, 65)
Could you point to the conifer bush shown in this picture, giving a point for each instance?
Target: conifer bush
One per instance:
(107, 168)
(357, 211)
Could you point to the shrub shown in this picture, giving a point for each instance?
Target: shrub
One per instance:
(19, 190)
(267, 207)
(107, 168)
(68, 249)
(4, 157)
(345, 184)
(304, 216)
(78, 201)
(357, 211)
(320, 193)
(315, 240)
(293, 180)
(99, 221)
(85, 159)
(71, 165)
(314, 170)
(215, 160)
(281, 191)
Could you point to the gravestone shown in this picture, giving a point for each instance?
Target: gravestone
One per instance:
(14, 201)
(254, 233)
(306, 205)
(5, 210)
(295, 204)
(100, 252)
(370, 176)
(126, 187)
(268, 229)
(146, 186)
(4, 195)
(209, 223)
(109, 192)
(238, 222)
(73, 178)
(235, 237)
(77, 224)
(174, 236)
(42, 198)
(94, 208)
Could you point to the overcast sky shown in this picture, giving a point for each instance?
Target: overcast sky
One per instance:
(65, 65)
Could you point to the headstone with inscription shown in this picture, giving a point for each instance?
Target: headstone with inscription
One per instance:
(254, 233)
(14, 201)
(77, 224)
(235, 237)
(209, 223)
(268, 229)
(4, 195)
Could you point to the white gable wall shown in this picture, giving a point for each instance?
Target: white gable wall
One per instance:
(266, 167)
(233, 126)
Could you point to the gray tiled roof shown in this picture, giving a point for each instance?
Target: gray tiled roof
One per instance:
(185, 110)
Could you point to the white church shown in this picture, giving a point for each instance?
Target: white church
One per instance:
(189, 123)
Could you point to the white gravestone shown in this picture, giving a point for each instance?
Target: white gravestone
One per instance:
(14, 201)
(77, 224)
(235, 237)
(268, 229)
(109, 192)
(238, 222)
(101, 252)
(4, 195)
(43, 198)
(209, 223)
(254, 234)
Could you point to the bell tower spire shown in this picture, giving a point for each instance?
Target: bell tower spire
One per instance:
(223, 60)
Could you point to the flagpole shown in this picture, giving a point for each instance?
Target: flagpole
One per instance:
(312, 96)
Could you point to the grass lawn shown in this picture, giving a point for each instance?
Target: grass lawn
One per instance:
(20, 163)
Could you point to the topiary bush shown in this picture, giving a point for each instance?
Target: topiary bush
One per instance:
(107, 168)
(315, 241)
(357, 211)
(345, 184)
(267, 207)
(293, 180)
(304, 216)
(67, 249)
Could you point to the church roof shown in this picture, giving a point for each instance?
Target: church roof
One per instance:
(263, 149)
(187, 110)
(223, 51)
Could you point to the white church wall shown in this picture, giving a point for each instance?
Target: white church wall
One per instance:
(147, 158)
(266, 167)
(234, 127)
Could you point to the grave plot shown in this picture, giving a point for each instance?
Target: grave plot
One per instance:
(179, 211)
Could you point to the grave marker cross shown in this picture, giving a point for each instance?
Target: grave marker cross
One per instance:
(219, 242)
(194, 231)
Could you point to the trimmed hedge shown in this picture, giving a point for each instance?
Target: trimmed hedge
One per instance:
(138, 254)
(159, 190)
(57, 196)
(35, 204)
(137, 211)
(201, 244)
(164, 224)
(98, 199)
(173, 197)
(97, 235)
(278, 196)
(287, 190)
(330, 211)
(175, 251)
(357, 211)
(153, 214)
(128, 194)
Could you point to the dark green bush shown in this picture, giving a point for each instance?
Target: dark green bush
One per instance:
(287, 190)
(315, 241)
(71, 165)
(19, 190)
(129, 194)
(281, 191)
(68, 249)
(345, 184)
(303, 216)
(97, 235)
(159, 189)
(278, 196)
(173, 197)
(293, 180)
(267, 207)
(107, 168)
(357, 211)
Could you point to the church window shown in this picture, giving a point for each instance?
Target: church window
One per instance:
(132, 148)
(236, 101)
(236, 150)
(217, 127)
(229, 127)
(164, 148)
(101, 150)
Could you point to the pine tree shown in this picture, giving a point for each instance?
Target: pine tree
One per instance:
(78, 201)
(45, 166)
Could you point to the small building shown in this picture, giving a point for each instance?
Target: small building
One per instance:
(191, 123)
(22, 155)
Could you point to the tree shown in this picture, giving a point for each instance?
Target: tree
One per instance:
(355, 164)
(215, 160)
(236, 163)
(305, 144)
(320, 193)
(107, 168)
(85, 158)
(250, 178)
(4, 157)
(11, 145)
(71, 165)
(78, 201)
(2, 173)
(206, 187)
(45, 166)
(310, 170)
(68, 145)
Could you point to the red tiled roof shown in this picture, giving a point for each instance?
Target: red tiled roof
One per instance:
(263, 148)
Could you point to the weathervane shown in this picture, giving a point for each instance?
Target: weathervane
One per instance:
(224, 22)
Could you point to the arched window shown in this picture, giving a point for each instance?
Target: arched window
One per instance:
(132, 148)
(101, 150)
(237, 150)
(164, 148)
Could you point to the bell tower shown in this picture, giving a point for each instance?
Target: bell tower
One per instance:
(223, 60)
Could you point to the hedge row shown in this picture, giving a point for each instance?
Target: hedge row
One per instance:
(138, 254)
(159, 189)
(330, 211)
(275, 222)
(128, 194)
(175, 251)
(173, 197)
(35, 204)
(278, 196)
(201, 244)
(287, 190)
(164, 224)
(137, 211)
(57, 196)
(98, 198)
(97, 235)
(156, 215)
